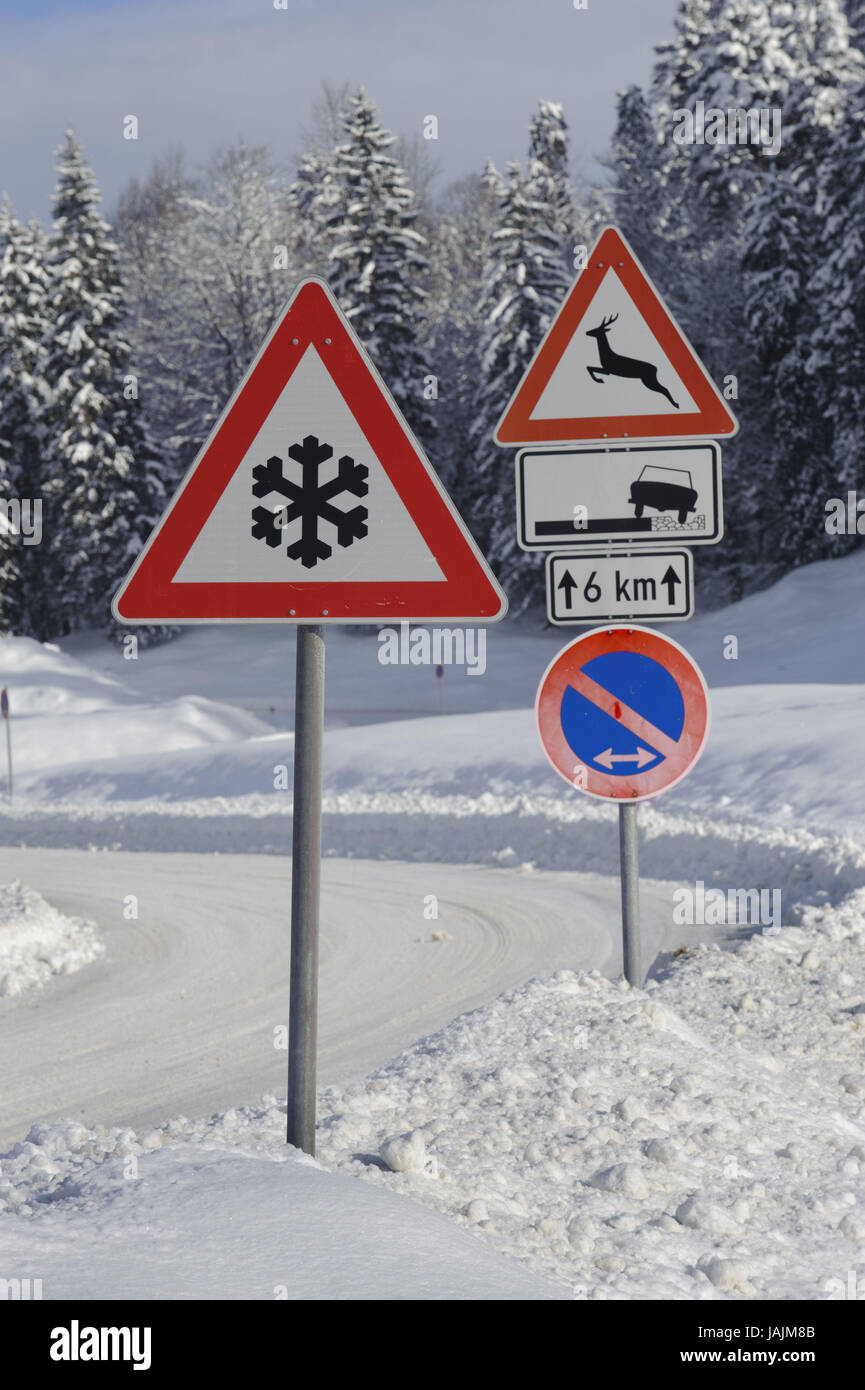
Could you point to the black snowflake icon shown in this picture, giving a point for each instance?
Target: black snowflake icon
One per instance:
(310, 501)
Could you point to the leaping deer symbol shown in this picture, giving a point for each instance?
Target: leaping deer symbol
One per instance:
(613, 364)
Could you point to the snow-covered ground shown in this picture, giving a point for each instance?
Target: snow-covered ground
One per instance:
(114, 1218)
(701, 1138)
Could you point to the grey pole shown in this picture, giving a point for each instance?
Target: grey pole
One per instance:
(7, 719)
(305, 885)
(630, 875)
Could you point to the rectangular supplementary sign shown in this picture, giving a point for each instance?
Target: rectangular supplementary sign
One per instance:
(649, 493)
(600, 586)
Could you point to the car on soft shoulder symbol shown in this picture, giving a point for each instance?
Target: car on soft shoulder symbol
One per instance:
(665, 490)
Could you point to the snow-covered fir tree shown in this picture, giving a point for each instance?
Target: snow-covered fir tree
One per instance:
(377, 261)
(549, 184)
(22, 401)
(794, 58)
(781, 499)
(837, 290)
(522, 290)
(639, 190)
(855, 11)
(459, 253)
(103, 479)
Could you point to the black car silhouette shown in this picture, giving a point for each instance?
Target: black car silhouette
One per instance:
(665, 489)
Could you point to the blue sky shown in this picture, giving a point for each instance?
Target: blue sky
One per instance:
(201, 73)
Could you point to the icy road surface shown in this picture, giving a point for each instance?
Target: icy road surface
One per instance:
(180, 1014)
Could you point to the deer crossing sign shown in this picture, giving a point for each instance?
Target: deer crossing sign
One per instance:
(614, 366)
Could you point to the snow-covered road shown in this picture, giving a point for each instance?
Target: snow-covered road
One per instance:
(180, 1014)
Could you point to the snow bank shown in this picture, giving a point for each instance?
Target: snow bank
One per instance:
(207, 718)
(567, 832)
(111, 1217)
(65, 714)
(703, 1138)
(37, 941)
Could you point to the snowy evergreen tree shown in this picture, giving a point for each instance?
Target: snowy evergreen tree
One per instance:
(521, 293)
(794, 57)
(103, 480)
(312, 200)
(855, 11)
(780, 500)
(22, 401)
(639, 191)
(819, 97)
(459, 253)
(549, 185)
(377, 262)
(838, 291)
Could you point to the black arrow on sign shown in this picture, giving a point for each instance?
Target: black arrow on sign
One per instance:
(671, 579)
(568, 583)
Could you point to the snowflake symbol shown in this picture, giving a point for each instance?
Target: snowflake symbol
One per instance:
(310, 500)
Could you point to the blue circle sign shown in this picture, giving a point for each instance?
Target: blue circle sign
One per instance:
(623, 712)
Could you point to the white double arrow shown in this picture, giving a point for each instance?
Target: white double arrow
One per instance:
(608, 757)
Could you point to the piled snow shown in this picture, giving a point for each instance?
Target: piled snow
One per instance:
(702, 1138)
(564, 832)
(37, 941)
(205, 720)
(65, 714)
(110, 1217)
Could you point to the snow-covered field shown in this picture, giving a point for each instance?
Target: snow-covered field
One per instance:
(701, 1138)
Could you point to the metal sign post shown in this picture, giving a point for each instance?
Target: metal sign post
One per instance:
(630, 875)
(4, 711)
(311, 457)
(623, 715)
(305, 887)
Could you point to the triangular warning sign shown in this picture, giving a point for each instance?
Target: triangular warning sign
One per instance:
(614, 365)
(311, 501)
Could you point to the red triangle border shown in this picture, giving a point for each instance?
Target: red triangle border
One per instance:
(468, 593)
(711, 420)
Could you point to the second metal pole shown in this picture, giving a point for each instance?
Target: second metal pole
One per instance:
(305, 887)
(630, 875)
(8, 723)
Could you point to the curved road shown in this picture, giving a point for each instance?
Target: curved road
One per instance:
(180, 1016)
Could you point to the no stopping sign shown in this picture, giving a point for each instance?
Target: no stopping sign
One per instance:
(623, 713)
